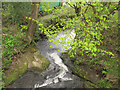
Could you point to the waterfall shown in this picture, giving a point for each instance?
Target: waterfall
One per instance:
(61, 73)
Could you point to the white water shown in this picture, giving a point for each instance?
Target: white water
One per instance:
(58, 61)
(61, 74)
(68, 37)
(64, 39)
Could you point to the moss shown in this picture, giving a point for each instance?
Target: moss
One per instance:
(32, 49)
(45, 65)
(42, 61)
(15, 73)
(90, 85)
(31, 59)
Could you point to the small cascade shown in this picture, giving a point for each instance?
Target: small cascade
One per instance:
(53, 55)
(61, 73)
(57, 75)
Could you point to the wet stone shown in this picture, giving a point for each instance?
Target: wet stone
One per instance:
(56, 80)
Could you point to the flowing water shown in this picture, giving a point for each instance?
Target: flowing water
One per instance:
(58, 74)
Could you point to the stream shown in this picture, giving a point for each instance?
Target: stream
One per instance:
(58, 75)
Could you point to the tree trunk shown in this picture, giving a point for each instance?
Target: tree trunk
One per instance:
(32, 24)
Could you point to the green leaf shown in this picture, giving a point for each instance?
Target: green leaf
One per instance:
(40, 24)
(104, 72)
(58, 50)
(29, 18)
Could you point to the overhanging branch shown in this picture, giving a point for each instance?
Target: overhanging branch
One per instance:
(92, 7)
(70, 5)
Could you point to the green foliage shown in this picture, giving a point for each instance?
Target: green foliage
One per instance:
(14, 12)
(1, 74)
(47, 8)
(24, 27)
(104, 84)
(88, 36)
(91, 29)
(11, 45)
(90, 39)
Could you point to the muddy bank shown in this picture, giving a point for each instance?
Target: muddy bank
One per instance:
(28, 61)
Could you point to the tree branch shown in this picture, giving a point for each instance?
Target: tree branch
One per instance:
(86, 9)
(112, 11)
(92, 7)
(70, 5)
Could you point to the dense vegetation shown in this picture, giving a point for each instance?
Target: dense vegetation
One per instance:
(96, 42)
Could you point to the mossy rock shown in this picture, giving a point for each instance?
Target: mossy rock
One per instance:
(85, 72)
(15, 72)
(31, 59)
(39, 62)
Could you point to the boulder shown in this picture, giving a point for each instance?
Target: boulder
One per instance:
(30, 60)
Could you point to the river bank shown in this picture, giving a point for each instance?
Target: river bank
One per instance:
(27, 61)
